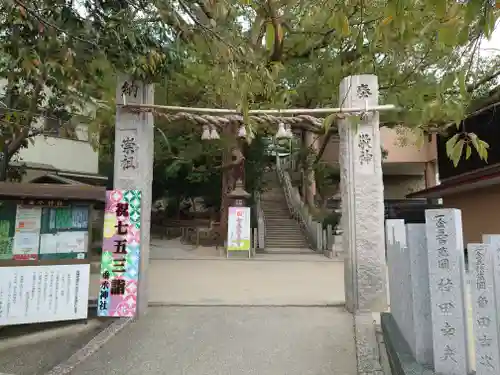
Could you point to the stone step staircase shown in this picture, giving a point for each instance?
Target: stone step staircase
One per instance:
(282, 231)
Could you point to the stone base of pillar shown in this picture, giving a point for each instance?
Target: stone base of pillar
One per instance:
(367, 348)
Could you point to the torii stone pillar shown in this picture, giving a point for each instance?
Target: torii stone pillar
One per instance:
(362, 192)
(133, 168)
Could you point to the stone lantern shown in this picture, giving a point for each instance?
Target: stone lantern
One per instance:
(239, 195)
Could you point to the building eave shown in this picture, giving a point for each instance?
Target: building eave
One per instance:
(481, 178)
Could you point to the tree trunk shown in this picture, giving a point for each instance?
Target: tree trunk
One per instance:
(26, 130)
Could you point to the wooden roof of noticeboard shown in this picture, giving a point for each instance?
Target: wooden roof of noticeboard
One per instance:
(52, 191)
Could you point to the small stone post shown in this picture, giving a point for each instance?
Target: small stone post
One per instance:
(419, 273)
(362, 192)
(400, 279)
(133, 169)
(485, 320)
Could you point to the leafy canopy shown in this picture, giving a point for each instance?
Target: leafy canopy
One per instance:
(294, 54)
(58, 55)
(56, 59)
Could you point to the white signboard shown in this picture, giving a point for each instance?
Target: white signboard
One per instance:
(27, 236)
(43, 293)
(63, 242)
(26, 244)
(238, 236)
(28, 219)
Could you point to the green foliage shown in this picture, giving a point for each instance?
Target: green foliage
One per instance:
(190, 169)
(325, 176)
(60, 56)
(186, 168)
(426, 55)
(57, 59)
(256, 161)
(456, 145)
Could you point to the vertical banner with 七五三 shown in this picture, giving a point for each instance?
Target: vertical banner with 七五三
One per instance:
(238, 229)
(120, 254)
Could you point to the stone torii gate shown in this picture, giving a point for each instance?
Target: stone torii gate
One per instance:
(361, 186)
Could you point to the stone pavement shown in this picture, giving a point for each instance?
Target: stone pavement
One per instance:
(230, 340)
(274, 314)
(277, 280)
(36, 349)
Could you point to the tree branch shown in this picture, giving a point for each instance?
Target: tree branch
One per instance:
(474, 86)
(323, 147)
(205, 9)
(323, 43)
(239, 158)
(18, 140)
(277, 54)
(39, 18)
(171, 18)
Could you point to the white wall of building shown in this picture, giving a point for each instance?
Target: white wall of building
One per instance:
(62, 153)
(76, 155)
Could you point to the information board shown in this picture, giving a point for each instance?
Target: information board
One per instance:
(35, 294)
(62, 245)
(38, 233)
(27, 233)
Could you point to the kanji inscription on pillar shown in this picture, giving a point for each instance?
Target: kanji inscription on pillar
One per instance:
(364, 148)
(130, 89)
(128, 152)
(363, 91)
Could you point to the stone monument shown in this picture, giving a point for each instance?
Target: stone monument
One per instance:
(443, 229)
(362, 192)
(133, 168)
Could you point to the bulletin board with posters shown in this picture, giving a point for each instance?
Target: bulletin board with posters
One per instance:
(43, 229)
(44, 242)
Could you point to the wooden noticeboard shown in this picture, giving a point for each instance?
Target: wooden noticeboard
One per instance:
(44, 244)
(36, 232)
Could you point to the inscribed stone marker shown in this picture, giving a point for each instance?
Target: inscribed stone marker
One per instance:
(494, 240)
(483, 305)
(134, 135)
(419, 271)
(362, 192)
(398, 261)
(446, 286)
